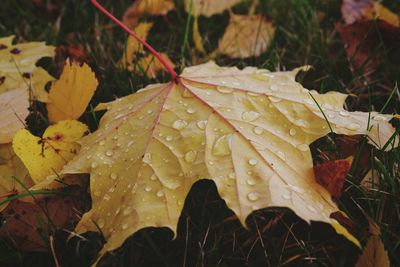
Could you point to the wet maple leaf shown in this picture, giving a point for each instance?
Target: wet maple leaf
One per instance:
(247, 130)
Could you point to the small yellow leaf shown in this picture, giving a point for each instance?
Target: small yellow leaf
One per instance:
(246, 36)
(133, 47)
(208, 7)
(13, 111)
(151, 66)
(70, 95)
(151, 7)
(47, 155)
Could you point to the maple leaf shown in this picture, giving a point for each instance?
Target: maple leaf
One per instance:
(70, 95)
(208, 7)
(47, 155)
(246, 36)
(247, 130)
(18, 69)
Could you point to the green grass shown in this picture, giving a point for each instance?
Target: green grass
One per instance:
(208, 232)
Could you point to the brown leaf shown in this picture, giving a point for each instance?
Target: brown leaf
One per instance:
(332, 174)
(29, 225)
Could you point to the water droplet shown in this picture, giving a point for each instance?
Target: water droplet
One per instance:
(141, 117)
(232, 175)
(275, 99)
(147, 188)
(250, 181)
(201, 124)
(302, 123)
(187, 94)
(311, 208)
(190, 110)
(179, 124)
(344, 113)
(160, 193)
(94, 165)
(106, 197)
(97, 193)
(281, 155)
(124, 226)
(253, 162)
(147, 158)
(88, 156)
(258, 130)
(221, 146)
(102, 142)
(286, 196)
(253, 196)
(172, 183)
(169, 138)
(292, 131)
(303, 147)
(127, 211)
(296, 189)
(191, 156)
(179, 202)
(153, 177)
(250, 115)
(109, 153)
(101, 222)
(113, 176)
(353, 126)
(224, 89)
(149, 111)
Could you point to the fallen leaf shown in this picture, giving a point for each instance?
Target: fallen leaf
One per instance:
(69, 96)
(374, 253)
(11, 166)
(208, 7)
(363, 41)
(197, 39)
(246, 36)
(356, 10)
(332, 175)
(247, 130)
(47, 155)
(14, 106)
(141, 7)
(29, 225)
(133, 47)
(151, 66)
(18, 69)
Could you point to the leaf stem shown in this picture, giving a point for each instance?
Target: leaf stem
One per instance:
(167, 66)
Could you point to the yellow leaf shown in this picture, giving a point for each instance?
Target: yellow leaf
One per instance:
(198, 40)
(11, 165)
(141, 7)
(151, 66)
(374, 253)
(208, 7)
(47, 155)
(18, 69)
(133, 47)
(246, 36)
(14, 106)
(70, 95)
(247, 130)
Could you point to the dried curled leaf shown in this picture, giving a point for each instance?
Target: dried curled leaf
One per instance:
(70, 95)
(47, 155)
(246, 36)
(208, 7)
(247, 130)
